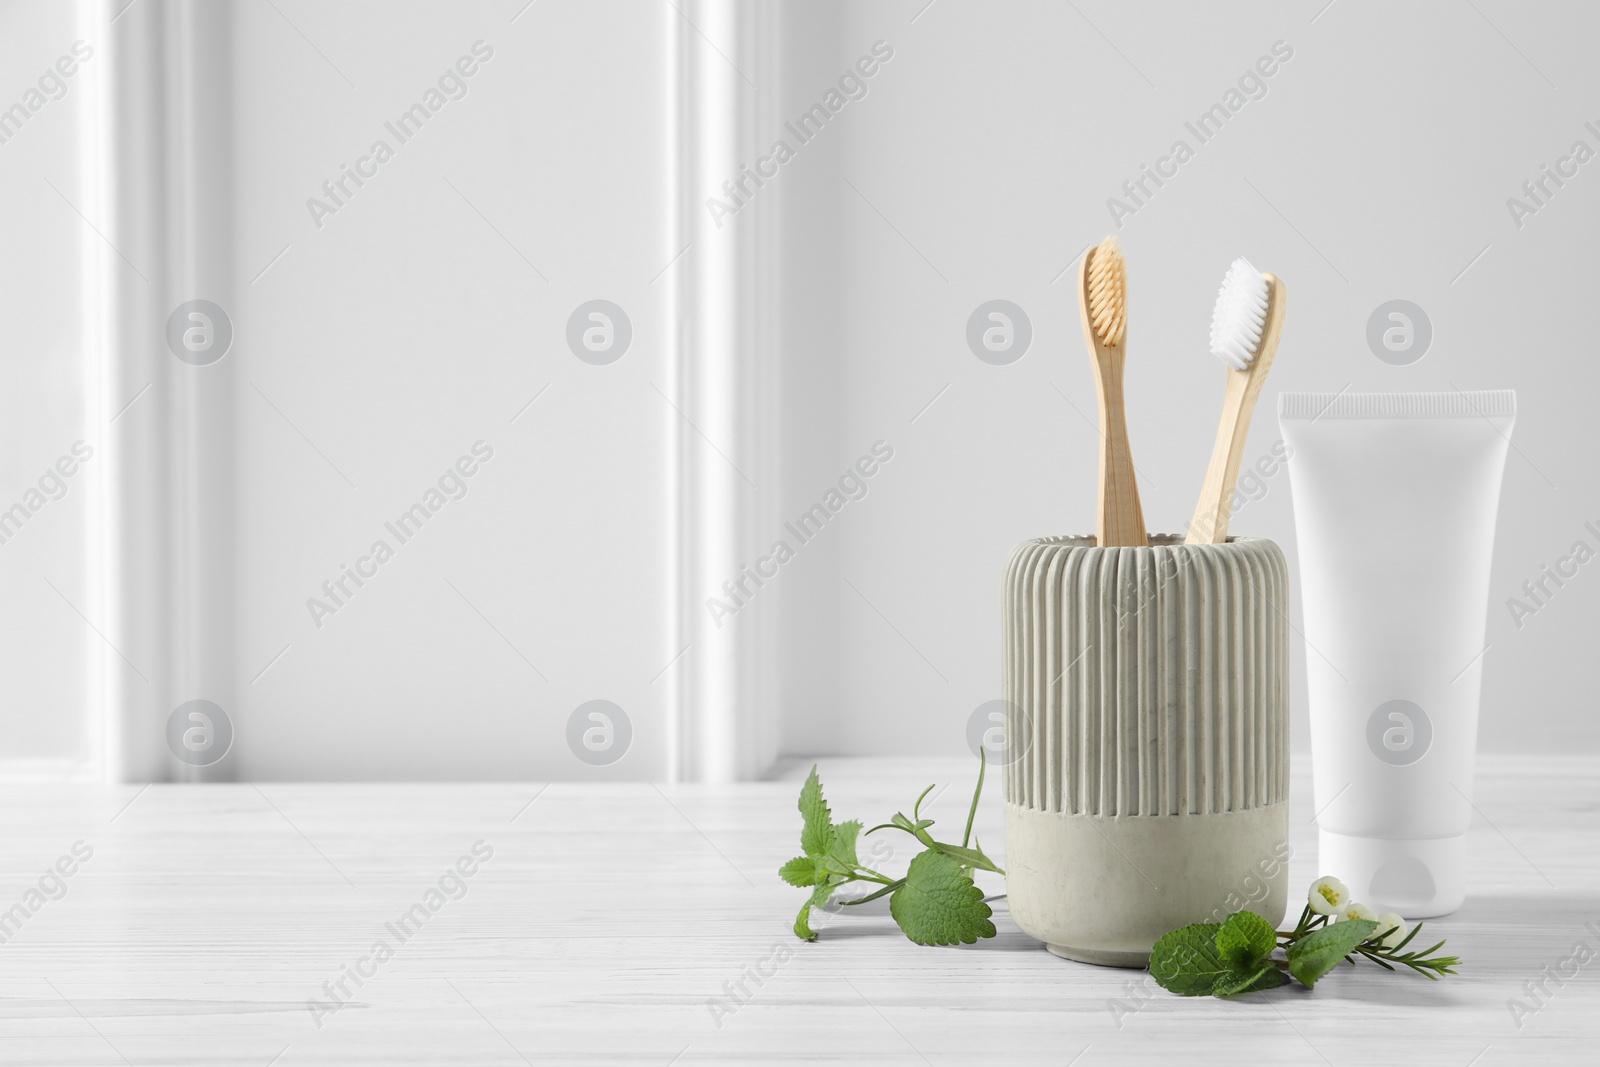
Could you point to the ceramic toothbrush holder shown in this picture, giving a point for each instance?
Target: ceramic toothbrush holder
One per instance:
(1147, 740)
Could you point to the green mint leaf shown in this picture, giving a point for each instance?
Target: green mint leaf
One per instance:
(939, 905)
(842, 845)
(1318, 952)
(1267, 976)
(818, 827)
(1245, 940)
(819, 897)
(1186, 961)
(918, 829)
(800, 871)
(969, 857)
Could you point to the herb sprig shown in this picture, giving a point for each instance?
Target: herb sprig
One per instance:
(1235, 956)
(935, 903)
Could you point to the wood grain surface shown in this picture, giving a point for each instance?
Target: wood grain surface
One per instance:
(611, 920)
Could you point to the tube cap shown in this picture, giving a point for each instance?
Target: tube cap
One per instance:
(1417, 878)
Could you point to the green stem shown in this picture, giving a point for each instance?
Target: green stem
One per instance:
(902, 829)
(875, 894)
(867, 874)
(972, 813)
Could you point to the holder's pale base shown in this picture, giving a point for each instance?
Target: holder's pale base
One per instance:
(1099, 958)
(1119, 882)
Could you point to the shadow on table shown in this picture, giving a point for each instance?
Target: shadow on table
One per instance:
(1507, 939)
(1502, 940)
(881, 924)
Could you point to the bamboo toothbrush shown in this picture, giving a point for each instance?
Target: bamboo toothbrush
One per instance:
(1103, 301)
(1245, 324)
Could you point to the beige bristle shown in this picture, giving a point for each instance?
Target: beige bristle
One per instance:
(1108, 292)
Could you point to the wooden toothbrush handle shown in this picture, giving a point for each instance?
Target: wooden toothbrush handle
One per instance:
(1121, 520)
(1210, 523)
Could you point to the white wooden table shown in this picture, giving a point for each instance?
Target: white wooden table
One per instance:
(611, 917)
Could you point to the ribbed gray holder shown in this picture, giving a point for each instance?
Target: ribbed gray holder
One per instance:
(1147, 739)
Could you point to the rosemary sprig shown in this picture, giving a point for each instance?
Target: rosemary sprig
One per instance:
(1424, 962)
(1236, 956)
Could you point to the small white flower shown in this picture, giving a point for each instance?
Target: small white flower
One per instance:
(1395, 926)
(1328, 896)
(1358, 911)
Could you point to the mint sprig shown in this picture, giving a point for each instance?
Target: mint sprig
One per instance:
(1235, 956)
(1187, 961)
(1315, 954)
(936, 903)
(1246, 939)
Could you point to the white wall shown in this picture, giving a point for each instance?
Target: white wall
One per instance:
(1376, 167)
(370, 353)
(373, 350)
(46, 653)
(405, 329)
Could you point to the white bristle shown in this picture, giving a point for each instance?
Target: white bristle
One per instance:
(1239, 315)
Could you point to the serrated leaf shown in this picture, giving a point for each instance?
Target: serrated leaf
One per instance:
(842, 844)
(802, 922)
(1267, 976)
(1245, 940)
(1318, 952)
(800, 871)
(939, 905)
(1186, 961)
(818, 826)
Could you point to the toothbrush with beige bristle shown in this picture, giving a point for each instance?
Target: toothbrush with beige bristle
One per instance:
(1103, 302)
(1245, 324)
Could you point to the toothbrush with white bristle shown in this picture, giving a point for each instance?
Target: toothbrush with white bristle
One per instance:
(1245, 324)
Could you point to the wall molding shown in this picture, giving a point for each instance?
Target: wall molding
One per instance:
(726, 709)
(160, 167)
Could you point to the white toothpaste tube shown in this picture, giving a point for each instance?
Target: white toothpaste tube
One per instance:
(1395, 496)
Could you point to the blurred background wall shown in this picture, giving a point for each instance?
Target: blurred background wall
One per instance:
(379, 338)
